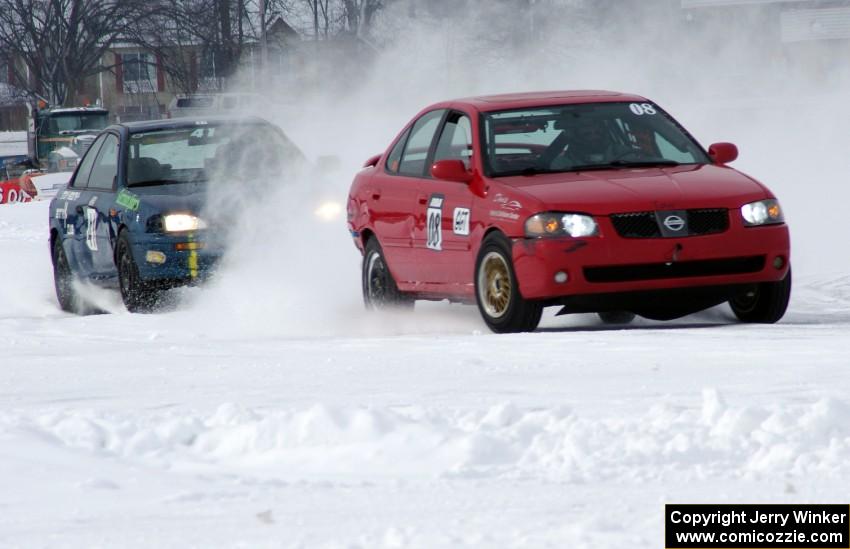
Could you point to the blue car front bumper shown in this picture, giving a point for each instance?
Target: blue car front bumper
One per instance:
(176, 259)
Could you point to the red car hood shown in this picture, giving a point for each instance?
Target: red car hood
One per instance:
(611, 191)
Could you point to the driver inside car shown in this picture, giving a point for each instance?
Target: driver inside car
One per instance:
(584, 141)
(587, 141)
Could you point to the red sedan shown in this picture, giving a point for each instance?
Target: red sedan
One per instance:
(589, 200)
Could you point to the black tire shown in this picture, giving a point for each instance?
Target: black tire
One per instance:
(502, 307)
(63, 281)
(380, 290)
(137, 296)
(763, 303)
(616, 317)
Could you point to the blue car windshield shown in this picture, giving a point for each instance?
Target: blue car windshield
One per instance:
(583, 137)
(202, 153)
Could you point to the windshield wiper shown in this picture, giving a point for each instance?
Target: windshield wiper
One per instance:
(624, 164)
(644, 163)
(616, 164)
(532, 170)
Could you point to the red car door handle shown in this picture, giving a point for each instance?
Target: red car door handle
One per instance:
(376, 194)
(423, 199)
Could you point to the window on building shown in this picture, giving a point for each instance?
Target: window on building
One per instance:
(139, 72)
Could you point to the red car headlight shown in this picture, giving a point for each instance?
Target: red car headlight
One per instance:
(763, 212)
(560, 224)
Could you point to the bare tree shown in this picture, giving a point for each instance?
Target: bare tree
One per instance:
(212, 34)
(56, 44)
(359, 15)
(322, 15)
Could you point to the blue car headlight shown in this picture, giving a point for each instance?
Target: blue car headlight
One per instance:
(175, 223)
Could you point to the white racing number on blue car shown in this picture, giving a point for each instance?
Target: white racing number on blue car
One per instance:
(91, 229)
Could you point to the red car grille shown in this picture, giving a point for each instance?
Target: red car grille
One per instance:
(708, 221)
(636, 225)
(645, 224)
(682, 269)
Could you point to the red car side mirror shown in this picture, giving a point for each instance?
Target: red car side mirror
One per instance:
(723, 153)
(451, 170)
(372, 162)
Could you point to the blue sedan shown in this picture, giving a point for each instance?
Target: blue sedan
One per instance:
(133, 216)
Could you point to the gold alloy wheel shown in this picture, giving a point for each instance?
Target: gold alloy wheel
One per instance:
(494, 285)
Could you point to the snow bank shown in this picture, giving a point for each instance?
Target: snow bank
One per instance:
(553, 444)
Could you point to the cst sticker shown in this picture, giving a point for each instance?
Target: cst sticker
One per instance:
(433, 227)
(461, 221)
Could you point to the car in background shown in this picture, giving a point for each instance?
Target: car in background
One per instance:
(591, 201)
(47, 184)
(13, 191)
(135, 216)
(24, 184)
(12, 188)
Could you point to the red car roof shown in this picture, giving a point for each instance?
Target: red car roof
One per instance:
(541, 99)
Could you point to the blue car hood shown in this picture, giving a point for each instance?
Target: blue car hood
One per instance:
(180, 197)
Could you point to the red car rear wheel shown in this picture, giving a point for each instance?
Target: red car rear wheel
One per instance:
(379, 288)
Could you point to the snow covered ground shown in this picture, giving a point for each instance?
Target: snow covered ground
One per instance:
(249, 418)
(13, 143)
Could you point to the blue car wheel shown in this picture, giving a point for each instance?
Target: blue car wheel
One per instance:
(137, 296)
(63, 280)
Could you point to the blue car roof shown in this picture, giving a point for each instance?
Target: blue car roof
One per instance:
(173, 123)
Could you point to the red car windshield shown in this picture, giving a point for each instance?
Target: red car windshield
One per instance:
(584, 137)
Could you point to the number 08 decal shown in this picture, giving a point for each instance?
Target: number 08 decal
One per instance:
(642, 108)
(434, 223)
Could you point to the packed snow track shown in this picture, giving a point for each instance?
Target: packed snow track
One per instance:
(265, 422)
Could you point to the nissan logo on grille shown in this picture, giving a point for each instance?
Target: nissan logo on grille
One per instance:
(674, 222)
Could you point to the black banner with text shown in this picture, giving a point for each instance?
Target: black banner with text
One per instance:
(756, 526)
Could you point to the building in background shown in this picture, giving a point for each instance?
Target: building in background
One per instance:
(140, 83)
(143, 83)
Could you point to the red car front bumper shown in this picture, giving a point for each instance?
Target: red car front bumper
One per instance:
(610, 264)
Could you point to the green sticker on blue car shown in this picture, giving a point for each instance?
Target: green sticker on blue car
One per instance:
(127, 199)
